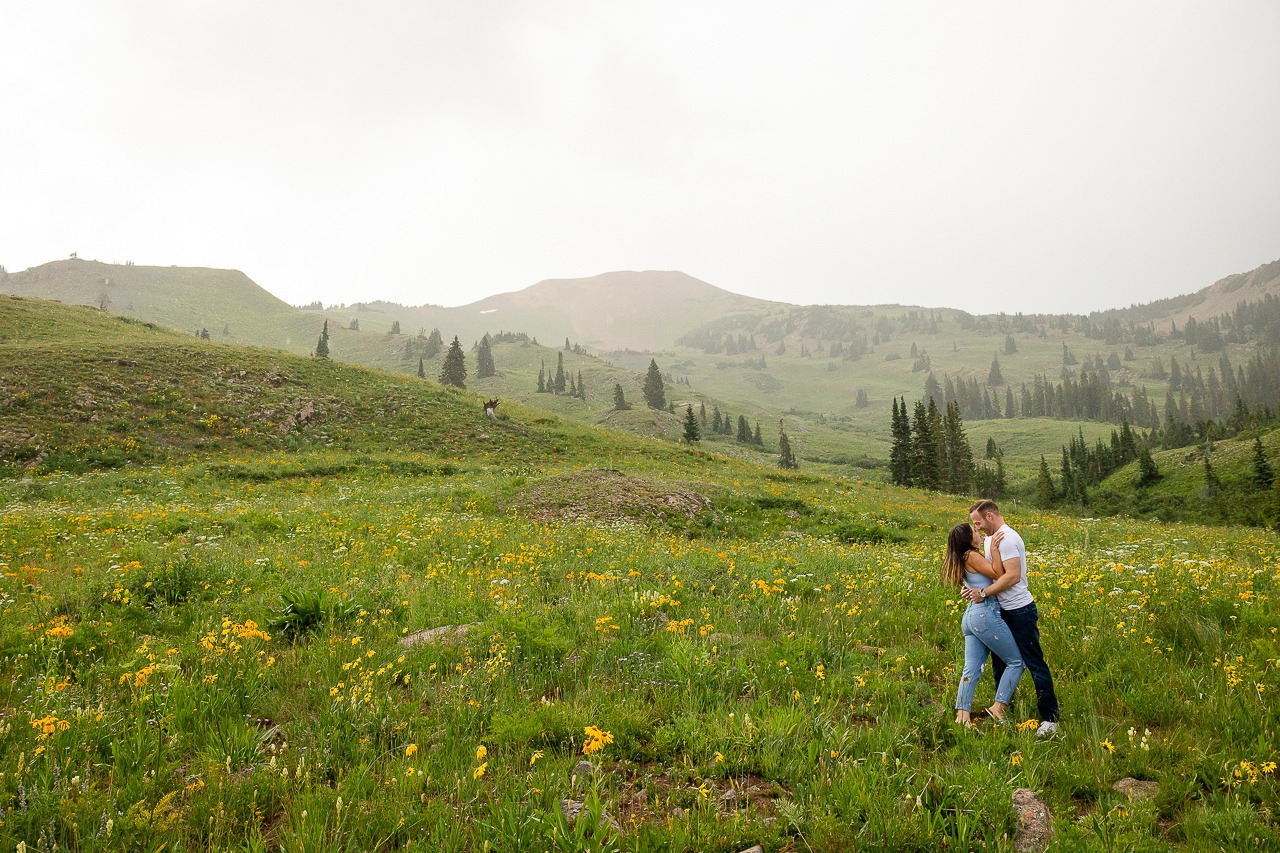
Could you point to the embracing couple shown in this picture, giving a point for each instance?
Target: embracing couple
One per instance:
(1001, 619)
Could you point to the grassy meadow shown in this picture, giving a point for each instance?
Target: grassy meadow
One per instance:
(211, 637)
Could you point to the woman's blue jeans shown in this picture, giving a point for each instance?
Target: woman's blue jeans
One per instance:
(985, 632)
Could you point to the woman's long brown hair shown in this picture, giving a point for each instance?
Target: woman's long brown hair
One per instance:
(959, 542)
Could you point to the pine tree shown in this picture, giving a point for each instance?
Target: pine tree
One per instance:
(691, 432)
(619, 401)
(744, 430)
(582, 389)
(900, 450)
(1148, 473)
(484, 359)
(1212, 485)
(924, 449)
(702, 414)
(862, 400)
(786, 459)
(991, 448)
(1044, 486)
(994, 376)
(422, 369)
(1010, 345)
(654, 393)
(1263, 474)
(395, 327)
(559, 383)
(757, 439)
(671, 407)
(542, 380)
(1000, 480)
(715, 419)
(454, 371)
(958, 455)
(322, 345)
(1128, 445)
(573, 387)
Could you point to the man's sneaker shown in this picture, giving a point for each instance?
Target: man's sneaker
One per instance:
(1047, 728)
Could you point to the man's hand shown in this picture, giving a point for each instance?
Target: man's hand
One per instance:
(970, 594)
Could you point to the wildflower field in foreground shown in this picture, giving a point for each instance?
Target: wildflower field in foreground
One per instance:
(219, 656)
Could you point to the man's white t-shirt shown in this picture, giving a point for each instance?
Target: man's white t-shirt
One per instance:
(1012, 550)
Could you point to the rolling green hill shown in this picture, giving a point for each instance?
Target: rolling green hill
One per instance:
(808, 366)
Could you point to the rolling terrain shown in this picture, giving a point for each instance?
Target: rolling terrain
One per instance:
(829, 373)
(257, 600)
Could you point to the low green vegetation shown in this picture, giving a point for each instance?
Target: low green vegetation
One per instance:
(403, 625)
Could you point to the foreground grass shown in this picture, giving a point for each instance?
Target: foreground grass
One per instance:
(778, 669)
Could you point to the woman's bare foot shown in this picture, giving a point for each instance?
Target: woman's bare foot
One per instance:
(962, 718)
(997, 710)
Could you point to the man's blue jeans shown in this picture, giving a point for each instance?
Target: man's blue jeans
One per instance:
(1024, 624)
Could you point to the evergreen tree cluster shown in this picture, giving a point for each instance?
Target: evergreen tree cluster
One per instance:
(1084, 467)
(562, 381)
(930, 449)
(724, 424)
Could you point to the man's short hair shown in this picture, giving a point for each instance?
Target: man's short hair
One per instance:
(984, 506)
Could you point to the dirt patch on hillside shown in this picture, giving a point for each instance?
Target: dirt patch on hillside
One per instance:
(606, 494)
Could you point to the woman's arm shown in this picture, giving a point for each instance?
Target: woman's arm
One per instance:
(994, 568)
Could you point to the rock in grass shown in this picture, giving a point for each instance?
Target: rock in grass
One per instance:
(1034, 826)
(584, 768)
(756, 849)
(573, 809)
(437, 636)
(1136, 789)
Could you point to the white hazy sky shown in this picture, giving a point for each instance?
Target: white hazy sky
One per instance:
(1033, 156)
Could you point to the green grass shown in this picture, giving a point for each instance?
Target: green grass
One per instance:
(202, 651)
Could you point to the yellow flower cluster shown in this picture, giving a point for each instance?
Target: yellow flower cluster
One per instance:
(596, 740)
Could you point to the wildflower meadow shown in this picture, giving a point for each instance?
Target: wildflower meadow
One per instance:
(244, 656)
(256, 602)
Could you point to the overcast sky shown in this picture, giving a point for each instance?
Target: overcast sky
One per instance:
(990, 156)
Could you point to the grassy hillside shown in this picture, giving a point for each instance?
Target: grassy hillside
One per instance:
(409, 627)
(805, 365)
(1225, 493)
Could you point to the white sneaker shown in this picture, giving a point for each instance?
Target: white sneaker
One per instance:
(1047, 728)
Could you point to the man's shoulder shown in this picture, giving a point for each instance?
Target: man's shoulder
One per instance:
(1010, 533)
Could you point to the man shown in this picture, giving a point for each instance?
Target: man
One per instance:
(1018, 609)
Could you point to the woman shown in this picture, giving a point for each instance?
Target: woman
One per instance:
(984, 629)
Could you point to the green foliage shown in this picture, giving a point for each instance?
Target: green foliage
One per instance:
(692, 433)
(653, 388)
(484, 359)
(786, 458)
(322, 345)
(454, 371)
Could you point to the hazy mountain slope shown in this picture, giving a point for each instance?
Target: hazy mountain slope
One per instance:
(616, 310)
(228, 303)
(1225, 294)
(1218, 298)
